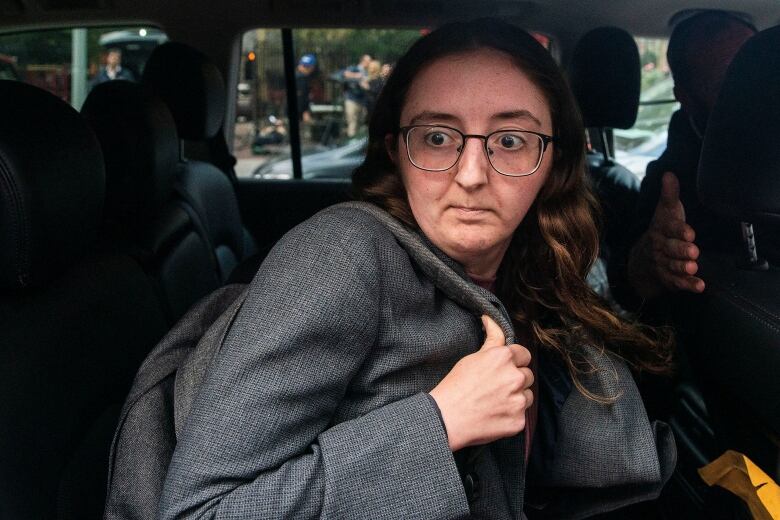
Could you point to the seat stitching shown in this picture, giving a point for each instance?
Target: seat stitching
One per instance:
(19, 226)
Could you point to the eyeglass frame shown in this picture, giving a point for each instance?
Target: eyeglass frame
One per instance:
(546, 140)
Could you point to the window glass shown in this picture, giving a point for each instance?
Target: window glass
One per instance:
(261, 133)
(339, 73)
(69, 62)
(646, 140)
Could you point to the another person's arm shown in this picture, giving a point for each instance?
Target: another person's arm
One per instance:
(664, 257)
(353, 72)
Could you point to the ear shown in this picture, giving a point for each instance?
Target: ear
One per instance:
(391, 148)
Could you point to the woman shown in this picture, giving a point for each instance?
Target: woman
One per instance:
(358, 370)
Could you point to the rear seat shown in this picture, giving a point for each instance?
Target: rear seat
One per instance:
(141, 149)
(76, 321)
(605, 78)
(194, 90)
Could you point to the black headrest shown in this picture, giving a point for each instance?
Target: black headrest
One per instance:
(51, 186)
(140, 147)
(739, 170)
(604, 76)
(191, 86)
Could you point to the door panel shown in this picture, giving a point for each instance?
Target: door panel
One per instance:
(270, 208)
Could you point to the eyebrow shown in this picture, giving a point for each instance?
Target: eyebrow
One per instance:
(432, 116)
(443, 116)
(517, 114)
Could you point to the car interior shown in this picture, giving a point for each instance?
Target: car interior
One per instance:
(124, 203)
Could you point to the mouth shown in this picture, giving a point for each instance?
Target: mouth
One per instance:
(469, 209)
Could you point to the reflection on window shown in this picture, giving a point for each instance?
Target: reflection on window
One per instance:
(69, 62)
(646, 140)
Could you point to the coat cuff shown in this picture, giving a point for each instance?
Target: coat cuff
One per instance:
(397, 459)
(441, 417)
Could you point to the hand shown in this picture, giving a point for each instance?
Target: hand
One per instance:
(665, 257)
(485, 395)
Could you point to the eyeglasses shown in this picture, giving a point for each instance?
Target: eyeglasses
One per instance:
(436, 148)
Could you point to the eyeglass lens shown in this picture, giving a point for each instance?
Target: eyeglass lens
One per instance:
(511, 152)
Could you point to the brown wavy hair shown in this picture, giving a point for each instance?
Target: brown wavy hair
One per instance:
(541, 279)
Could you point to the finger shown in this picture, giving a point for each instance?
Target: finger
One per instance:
(691, 284)
(529, 397)
(521, 355)
(684, 283)
(682, 268)
(528, 377)
(680, 249)
(665, 265)
(494, 336)
(670, 190)
(677, 229)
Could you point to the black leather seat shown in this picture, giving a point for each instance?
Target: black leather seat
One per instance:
(732, 330)
(605, 78)
(75, 321)
(141, 149)
(194, 90)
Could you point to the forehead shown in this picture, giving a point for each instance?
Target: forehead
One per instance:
(473, 87)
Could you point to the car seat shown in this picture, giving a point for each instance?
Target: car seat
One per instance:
(732, 330)
(141, 150)
(194, 90)
(605, 78)
(75, 320)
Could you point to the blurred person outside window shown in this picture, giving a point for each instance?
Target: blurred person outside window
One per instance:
(387, 68)
(306, 66)
(113, 69)
(372, 84)
(354, 95)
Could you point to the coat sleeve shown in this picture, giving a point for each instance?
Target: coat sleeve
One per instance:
(260, 442)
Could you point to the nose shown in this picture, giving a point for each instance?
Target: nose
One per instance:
(473, 167)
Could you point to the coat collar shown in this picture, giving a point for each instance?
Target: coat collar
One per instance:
(445, 273)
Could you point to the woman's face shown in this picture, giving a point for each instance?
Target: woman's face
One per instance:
(470, 211)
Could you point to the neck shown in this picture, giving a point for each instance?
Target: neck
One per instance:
(484, 265)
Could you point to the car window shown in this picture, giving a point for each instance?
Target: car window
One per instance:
(646, 140)
(68, 62)
(338, 74)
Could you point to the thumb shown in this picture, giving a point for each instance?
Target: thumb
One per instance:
(670, 189)
(494, 336)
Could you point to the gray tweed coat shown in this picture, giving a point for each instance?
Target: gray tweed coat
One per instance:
(317, 405)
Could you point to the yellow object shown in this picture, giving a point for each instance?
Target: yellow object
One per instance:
(737, 473)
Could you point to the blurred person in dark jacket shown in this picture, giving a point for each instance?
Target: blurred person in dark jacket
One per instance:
(671, 223)
(113, 69)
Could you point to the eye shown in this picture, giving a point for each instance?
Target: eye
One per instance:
(438, 138)
(511, 141)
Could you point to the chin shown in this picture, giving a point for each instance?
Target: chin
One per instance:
(473, 243)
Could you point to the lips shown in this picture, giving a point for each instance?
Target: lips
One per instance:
(469, 209)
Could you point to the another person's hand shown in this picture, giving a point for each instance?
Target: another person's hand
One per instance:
(485, 395)
(664, 259)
